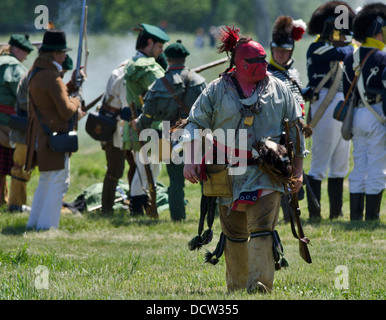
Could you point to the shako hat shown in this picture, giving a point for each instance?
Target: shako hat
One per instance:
(176, 50)
(369, 21)
(322, 21)
(54, 40)
(21, 41)
(286, 31)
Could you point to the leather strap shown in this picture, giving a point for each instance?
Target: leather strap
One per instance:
(177, 98)
(329, 97)
(354, 80)
(361, 89)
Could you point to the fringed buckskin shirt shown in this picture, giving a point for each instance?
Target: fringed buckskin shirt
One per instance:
(218, 107)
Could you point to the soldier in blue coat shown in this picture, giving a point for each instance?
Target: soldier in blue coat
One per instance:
(329, 152)
(368, 178)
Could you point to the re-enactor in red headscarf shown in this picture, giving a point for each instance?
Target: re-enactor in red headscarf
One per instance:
(246, 97)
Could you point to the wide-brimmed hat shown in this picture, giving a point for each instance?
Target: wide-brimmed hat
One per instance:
(176, 50)
(21, 41)
(54, 40)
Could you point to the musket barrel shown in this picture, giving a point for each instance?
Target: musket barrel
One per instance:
(210, 65)
(78, 78)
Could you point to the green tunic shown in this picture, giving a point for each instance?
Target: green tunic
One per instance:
(159, 102)
(140, 73)
(11, 71)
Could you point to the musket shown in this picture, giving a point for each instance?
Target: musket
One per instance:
(152, 209)
(92, 103)
(78, 76)
(34, 43)
(210, 65)
(294, 207)
(197, 69)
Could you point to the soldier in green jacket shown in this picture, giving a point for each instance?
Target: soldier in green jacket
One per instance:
(140, 72)
(160, 104)
(11, 71)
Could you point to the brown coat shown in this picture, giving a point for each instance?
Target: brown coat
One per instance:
(51, 97)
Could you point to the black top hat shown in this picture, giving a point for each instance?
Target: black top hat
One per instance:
(54, 40)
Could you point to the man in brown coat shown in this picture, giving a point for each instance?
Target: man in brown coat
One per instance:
(50, 105)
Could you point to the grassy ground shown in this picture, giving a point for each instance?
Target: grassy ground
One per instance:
(92, 256)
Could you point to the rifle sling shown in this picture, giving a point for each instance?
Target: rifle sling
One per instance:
(329, 96)
(355, 79)
(177, 98)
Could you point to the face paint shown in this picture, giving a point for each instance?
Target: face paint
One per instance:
(250, 62)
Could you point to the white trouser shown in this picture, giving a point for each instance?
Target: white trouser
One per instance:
(48, 198)
(369, 151)
(140, 183)
(329, 150)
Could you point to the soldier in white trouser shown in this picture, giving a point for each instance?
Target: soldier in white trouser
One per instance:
(368, 178)
(330, 153)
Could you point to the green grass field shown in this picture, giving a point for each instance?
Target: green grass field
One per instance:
(92, 256)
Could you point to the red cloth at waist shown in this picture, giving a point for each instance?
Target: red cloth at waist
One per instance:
(7, 109)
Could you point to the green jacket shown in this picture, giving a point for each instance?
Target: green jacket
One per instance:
(159, 102)
(11, 71)
(140, 73)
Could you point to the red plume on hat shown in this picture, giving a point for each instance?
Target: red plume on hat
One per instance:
(299, 28)
(286, 31)
(228, 37)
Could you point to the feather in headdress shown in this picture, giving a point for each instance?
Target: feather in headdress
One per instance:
(228, 37)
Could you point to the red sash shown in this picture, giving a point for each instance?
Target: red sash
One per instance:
(7, 109)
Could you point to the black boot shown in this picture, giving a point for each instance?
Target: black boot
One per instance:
(316, 189)
(136, 205)
(108, 194)
(373, 206)
(145, 202)
(335, 194)
(285, 208)
(357, 203)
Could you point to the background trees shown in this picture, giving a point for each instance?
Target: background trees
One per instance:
(118, 16)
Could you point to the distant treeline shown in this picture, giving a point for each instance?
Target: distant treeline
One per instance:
(252, 16)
